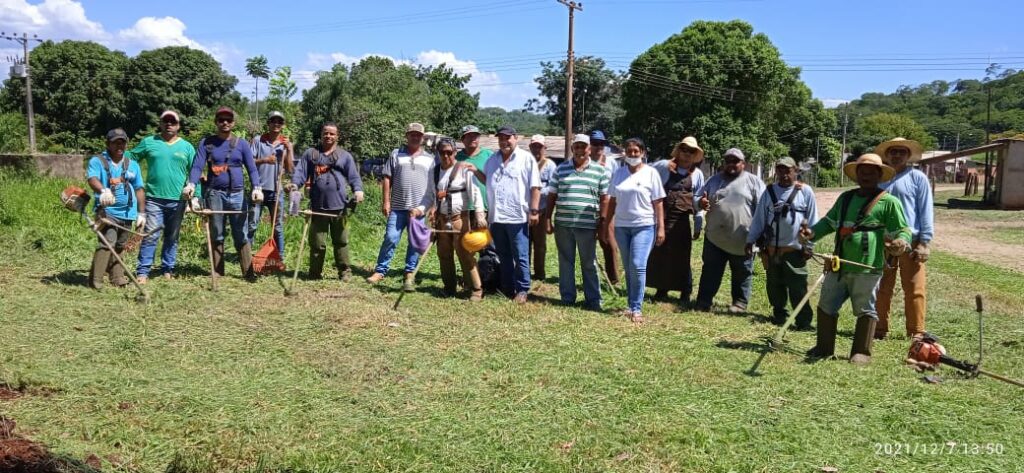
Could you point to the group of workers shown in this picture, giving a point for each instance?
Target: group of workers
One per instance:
(511, 199)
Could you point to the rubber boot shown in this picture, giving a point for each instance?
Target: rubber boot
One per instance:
(825, 347)
(860, 353)
(100, 262)
(245, 259)
(116, 272)
(410, 282)
(218, 258)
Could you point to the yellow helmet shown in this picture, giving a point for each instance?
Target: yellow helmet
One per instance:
(476, 240)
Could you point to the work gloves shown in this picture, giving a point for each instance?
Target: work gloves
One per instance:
(921, 252)
(140, 222)
(897, 247)
(188, 191)
(257, 194)
(107, 197)
(360, 196)
(290, 187)
(194, 203)
(806, 236)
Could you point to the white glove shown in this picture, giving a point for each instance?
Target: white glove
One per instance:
(257, 194)
(195, 204)
(107, 197)
(189, 190)
(360, 196)
(140, 222)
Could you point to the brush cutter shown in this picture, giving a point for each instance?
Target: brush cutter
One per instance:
(75, 199)
(206, 214)
(135, 239)
(308, 214)
(929, 352)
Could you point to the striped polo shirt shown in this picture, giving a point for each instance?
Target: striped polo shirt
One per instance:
(578, 200)
(409, 174)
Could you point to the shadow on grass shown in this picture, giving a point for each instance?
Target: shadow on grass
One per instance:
(964, 204)
(73, 277)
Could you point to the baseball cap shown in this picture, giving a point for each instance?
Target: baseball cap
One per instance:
(415, 127)
(116, 134)
(507, 130)
(786, 161)
(469, 129)
(598, 135)
(581, 138)
(171, 113)
(225, 111)
(734, 152)
(537, 139)
(275, 114)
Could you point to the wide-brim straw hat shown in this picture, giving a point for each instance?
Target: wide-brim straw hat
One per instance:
(916, 150)
(690, 142)
(850, 169)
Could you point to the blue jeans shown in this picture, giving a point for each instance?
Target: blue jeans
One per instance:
(270, 201)
(568, 241)
(860, 288)
(166, 213)
(513, 247)
(226, 200)
(715, 260)
(398, 221)
(635, 245)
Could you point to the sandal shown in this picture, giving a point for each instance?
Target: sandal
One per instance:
(636, 318)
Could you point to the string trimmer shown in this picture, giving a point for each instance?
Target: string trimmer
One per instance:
(308, 215)
(206, 214)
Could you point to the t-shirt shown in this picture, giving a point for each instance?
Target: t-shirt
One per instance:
(733, 202)
(578, 193)
(914, 192)
(509, 185)
(331, 176)
(232, 178)
(545, 178)
(479, 161)
(887, 213)
(409, 177)
(167, 165)
(269, 172)
(125, 203)
(634, 195)
(803, 209)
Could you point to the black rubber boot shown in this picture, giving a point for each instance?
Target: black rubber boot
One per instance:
(245, 260)
(218, 258)
(860, 353)
(825, 347)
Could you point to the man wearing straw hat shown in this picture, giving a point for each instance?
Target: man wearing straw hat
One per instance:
(869, 225)
(913, 190)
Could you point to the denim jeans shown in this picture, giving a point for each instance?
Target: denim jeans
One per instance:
(568, 241)
(398, 221)
(164, 213)
(513, 247)
(226, 200)
(635, 245)
(715, 260)
(860, 288)
(270, 201)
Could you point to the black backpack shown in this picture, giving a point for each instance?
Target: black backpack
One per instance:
(489, 267)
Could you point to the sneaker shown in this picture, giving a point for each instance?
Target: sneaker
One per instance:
(168, 276)
(520, 298)
(410, 282)
(476, 296)
(142, 280)
(375, 278)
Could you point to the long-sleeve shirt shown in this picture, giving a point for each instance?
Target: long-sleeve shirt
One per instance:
(733, 202)
(887, 214)
(453, 182)
(914, 191)
(803, 209)
(696, 179)
(230, 179)
(329, 176)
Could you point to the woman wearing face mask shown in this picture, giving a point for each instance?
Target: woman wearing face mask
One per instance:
(636, 195)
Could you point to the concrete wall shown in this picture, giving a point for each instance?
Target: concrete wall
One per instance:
(69, 166)
(1011, 177)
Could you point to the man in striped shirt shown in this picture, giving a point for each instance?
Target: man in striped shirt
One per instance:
(578, 197)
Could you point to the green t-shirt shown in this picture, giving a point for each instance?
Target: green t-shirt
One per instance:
(482, 155)
(167, 165)
(886, 214)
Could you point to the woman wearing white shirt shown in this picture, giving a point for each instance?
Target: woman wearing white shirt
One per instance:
(636, 206)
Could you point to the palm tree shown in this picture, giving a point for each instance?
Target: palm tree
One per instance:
(256, 67)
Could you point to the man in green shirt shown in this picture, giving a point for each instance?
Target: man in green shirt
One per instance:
(168, 159)
(474, 154)
(869, 226)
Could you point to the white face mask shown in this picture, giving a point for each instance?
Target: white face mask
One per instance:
(633, 161)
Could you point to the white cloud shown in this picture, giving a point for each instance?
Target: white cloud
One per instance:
(51, 19)
(833, 103)
(151, 33)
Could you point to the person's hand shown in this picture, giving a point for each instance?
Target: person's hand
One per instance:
(534, 218)
(806, 234)
(257, 194)
(416, 213)
(921, 252)
(748, 250)
(441, 195)
(549, 226)
(360, 197)
(140, 222)
(704, 203)
(107, 197)
(385, 208)
(188, 191)
(660, 238)
(897, 247)
(469, 166)
(194, 204)
(291, 187)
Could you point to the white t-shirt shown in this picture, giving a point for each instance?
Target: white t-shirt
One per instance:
(634, 195)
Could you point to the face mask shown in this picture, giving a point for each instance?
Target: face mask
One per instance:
(633, 161)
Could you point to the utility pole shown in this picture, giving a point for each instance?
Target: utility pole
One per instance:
(570, 79)
(24, 40)
(842, 152)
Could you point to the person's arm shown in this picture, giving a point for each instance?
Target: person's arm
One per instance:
(430, 196)
(659, 222)
(758, 189)
(697, 180)
(925, 211)
(140, 189)
(759, 222)
(288, 157)
(250, 167)
(299, 174)
(607, 213)
(385, 184)
(198, 164)
(534, 184)
(93, 173)
(355, 182)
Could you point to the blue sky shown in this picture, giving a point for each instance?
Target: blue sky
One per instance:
(846, 48)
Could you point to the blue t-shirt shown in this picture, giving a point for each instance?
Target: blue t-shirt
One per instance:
(230, 179)
(125, 202)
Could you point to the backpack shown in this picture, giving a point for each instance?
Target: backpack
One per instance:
(489, 267)
(778, 213)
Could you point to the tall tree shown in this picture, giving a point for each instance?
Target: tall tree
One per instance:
(879, 127)
(596, 102)
(257, 68)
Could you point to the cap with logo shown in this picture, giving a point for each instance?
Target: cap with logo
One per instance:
(598, 135)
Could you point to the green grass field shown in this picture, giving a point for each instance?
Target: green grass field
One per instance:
(334, 380)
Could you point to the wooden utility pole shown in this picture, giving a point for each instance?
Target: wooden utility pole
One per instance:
(842, 152)
(570, 77)
(24, 40)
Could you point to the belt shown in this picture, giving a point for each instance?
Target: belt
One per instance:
(773, 250)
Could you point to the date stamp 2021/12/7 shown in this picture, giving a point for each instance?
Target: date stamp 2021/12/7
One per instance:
(936, 448)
